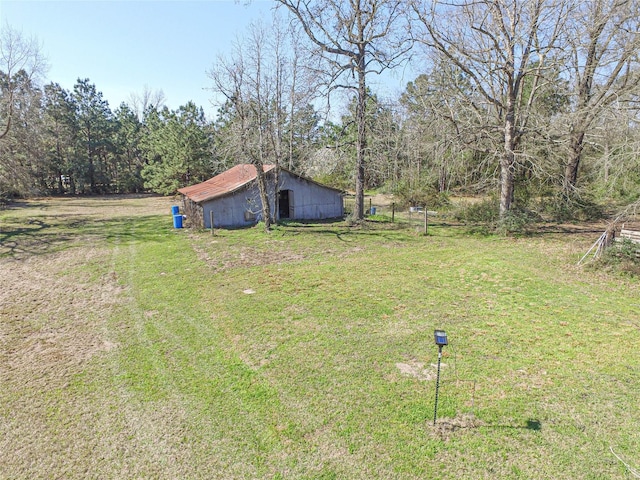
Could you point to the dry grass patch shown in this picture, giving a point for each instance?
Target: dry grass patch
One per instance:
(58, 344)
(446, 427)
(419, 370)
(54, 313)
(222, 259)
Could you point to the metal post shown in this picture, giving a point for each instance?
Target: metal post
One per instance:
(211, 220)
(393, 212)
(435, 409)
(426, 221)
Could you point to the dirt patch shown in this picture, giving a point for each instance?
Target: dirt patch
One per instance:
(244, 257)
(446, 427)
(419, 370)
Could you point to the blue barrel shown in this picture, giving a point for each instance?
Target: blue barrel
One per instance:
(373, 210)
(175, 210)
(177, 221)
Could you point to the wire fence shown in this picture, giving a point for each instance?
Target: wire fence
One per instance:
(418, 216)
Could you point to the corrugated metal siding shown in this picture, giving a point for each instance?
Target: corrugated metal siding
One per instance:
(311, 201)
(240, 209)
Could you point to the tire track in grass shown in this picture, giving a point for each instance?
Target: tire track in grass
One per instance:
(173, 353)
(238, 423)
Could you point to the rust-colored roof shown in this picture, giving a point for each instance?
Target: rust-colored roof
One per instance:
(223, 184)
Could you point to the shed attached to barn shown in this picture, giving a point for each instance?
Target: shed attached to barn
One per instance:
(234, 199)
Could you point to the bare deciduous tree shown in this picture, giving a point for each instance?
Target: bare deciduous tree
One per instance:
(604, 41)
(262, 83)
(148, 98)
(360, 37)
(241, 80)
(504, 48)
(21, 63)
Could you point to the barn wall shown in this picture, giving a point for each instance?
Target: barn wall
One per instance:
(310, 200)
(240, 209)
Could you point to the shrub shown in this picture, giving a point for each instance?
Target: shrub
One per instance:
(487, 212)
(420, 196)
(623, 257)
(516, 221)
(561, 207)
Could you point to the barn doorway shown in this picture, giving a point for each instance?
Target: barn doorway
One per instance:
(284, 203)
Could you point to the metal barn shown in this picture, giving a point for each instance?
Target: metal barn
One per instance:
(234, 200)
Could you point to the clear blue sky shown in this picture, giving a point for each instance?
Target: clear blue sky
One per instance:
(121, 46)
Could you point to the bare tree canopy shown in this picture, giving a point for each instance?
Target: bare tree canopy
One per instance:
(148, 98)
(266, 90)
(603, 66)
(359, 37)
(504, 48)
(21, 61)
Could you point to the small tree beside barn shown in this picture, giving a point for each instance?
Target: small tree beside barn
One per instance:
(235, 201)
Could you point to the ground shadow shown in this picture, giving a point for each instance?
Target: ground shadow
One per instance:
(391, 232)
(447, 427)
(534, 425)
(531, 424)
(24, 205)
(55, 233)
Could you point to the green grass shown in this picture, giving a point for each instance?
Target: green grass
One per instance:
(302, 378)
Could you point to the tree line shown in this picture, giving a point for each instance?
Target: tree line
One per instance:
(532, 102)
(71, 142)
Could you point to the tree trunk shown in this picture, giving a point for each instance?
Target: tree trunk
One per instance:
(9, 114)
(362, 137)
(60, 184)
(59, 170)
(91, 169)
(507, 162)
(442, 180)
(276, 192)
(573, 163)
(264, 196)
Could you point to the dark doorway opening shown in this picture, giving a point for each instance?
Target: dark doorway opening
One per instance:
(283, 204)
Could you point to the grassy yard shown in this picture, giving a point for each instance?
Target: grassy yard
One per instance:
(129, 349)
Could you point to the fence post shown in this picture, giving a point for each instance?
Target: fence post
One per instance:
(211, 219)
(426, 221)
(393, 212)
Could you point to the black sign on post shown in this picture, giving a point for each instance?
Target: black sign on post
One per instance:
(440, 337)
